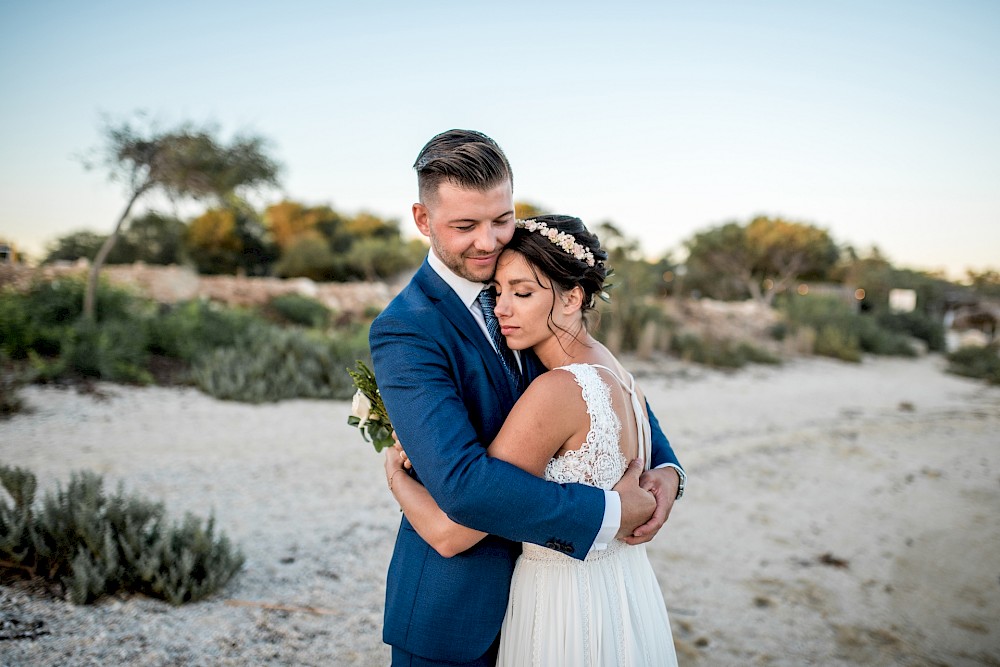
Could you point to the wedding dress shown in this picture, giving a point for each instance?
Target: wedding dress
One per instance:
(608, 609)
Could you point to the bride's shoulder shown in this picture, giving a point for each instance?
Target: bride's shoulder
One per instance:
(553, 385)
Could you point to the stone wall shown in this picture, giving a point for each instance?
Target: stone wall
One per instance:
(169, 284)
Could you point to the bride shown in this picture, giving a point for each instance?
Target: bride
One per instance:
(582, 421)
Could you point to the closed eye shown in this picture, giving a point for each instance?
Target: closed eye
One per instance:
(520, 295)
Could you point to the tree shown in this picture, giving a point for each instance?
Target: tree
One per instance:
(73, 246)
(151, 238)
(212, 241)
(186, 162)
(636, 288)
(287, 221)
(762, 258)
(986, 283)
(524, 210)
(322, 244)
(154, 238)
(309, 256)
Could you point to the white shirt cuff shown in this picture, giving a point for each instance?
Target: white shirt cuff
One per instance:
(612, 521)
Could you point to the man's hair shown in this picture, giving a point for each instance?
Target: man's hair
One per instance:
(465, 158)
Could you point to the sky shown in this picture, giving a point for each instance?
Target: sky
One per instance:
(876, 121)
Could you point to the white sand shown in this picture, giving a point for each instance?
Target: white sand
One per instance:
(891, 466)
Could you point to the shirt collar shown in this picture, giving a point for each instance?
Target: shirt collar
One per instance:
(467, 290)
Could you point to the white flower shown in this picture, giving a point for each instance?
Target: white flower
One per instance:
(562, 240)
(361, 407)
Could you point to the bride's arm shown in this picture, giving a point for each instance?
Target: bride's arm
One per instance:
(538, 426)
(431, 523)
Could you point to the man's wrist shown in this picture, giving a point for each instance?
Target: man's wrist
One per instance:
(681, 477)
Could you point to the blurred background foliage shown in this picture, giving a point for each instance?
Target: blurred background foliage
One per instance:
(807, 293)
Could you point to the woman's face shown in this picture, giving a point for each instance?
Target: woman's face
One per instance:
(525, 299)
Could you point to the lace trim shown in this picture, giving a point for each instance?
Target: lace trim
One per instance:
(535, 552)
(617, 622)
(536, 639)
(599, 461)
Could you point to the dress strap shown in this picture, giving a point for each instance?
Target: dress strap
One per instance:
(641, 423)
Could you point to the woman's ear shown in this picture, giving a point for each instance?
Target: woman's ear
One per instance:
(572, 300)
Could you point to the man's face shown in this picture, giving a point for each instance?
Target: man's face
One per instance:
(468, 228)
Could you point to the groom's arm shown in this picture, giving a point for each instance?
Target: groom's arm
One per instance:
(416, 380)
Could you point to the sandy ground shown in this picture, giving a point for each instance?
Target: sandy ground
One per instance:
(836, 514)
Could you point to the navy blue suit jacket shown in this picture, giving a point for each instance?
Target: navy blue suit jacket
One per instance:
(447, 396)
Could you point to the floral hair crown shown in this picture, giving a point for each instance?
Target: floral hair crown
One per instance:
(567, 242)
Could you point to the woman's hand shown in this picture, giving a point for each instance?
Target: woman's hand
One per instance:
(393, 463)
(399, 449)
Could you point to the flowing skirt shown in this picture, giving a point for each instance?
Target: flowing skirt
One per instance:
(605, 611)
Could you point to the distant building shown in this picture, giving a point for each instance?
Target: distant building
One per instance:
(7, 254)
(902, 300)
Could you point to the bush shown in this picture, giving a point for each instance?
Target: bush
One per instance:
(918, 325)
(96, 544)
(832, 341)
(190, 329)
(299, 309)
(232, 353)
(841, 332)
(12, 379)
(720, 353)
(17, 335)
(114, 351)
(976, 362)
(274, 364)
(39, 320)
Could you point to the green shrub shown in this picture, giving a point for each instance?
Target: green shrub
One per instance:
(918, 325)
(779, 331)
(97, 544)
(60, 301)
(16, 330)
(976, 362)
(299, 309)
(114, 351)
(720, 353)
(836, 342)
(39, 320)
(274, 364)
(12, 379)
(841, 332)
(190, 329)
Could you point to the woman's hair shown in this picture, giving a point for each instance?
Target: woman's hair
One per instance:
(563, 267)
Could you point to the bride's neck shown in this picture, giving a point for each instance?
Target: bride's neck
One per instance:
(565, 347)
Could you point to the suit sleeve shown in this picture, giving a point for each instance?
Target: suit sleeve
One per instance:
(660, 447)
(417, 379)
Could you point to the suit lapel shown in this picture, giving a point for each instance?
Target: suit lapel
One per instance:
(458, 315)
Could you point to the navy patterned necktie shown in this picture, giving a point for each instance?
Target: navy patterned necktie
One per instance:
(487, 301)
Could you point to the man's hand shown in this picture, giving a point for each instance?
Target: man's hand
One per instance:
(638, 504)
(662, 483)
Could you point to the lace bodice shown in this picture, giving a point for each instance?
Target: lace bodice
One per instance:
(599, 461)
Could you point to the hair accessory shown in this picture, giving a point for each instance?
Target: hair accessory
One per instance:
(567, 242)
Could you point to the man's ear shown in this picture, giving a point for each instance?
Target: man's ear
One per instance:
(421, 216)
(572, 300)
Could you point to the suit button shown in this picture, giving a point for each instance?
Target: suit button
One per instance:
(551, 545)
(568, 549)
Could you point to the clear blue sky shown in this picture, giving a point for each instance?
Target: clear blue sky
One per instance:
(878, 121)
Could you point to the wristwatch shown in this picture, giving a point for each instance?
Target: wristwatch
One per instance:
(683, 479)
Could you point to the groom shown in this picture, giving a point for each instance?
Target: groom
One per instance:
(447, 394)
